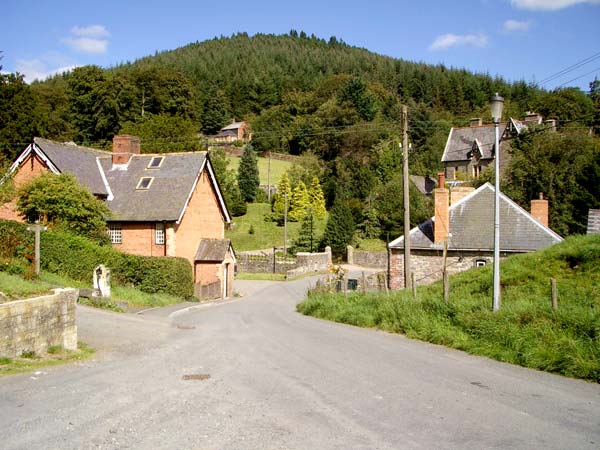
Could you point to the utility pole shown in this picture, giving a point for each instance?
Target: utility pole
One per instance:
(405, 183)
(269, 178)
(285, 208)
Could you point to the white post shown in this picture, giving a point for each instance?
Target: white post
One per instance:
(496, 301)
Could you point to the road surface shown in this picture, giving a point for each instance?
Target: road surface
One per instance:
(254, 374)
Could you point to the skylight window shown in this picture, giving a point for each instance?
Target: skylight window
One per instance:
(144, 183)
(155, 162)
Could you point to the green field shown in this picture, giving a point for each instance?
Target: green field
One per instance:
(526, 330)
(266, 234)
(277, 168)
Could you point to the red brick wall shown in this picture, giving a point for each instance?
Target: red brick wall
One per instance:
(32, 167)
(202, 220)
(138, 239)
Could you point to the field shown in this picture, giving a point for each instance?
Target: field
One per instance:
(251, 232)
(277, 168)
(526, 331)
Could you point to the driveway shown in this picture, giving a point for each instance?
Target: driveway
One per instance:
(253, 374)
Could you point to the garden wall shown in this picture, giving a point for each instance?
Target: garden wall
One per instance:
(36, 324)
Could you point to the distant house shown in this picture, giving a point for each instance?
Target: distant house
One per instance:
(465, 219)
(470, 150)
(167, 204)
(593, 226)
(236, 131)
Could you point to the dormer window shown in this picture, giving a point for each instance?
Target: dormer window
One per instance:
(144, 183)
(155, 162)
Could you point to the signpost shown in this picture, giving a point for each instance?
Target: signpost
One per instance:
(37, 229)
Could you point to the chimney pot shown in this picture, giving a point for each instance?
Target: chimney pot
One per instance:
(441, 180)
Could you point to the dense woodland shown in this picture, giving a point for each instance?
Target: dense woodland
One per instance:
(335, 105)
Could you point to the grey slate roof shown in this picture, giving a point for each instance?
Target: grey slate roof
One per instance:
(212, 250)
(472, 227)
(169, 191)
(425, 185)
(80, 161)
(232, 126)
(460, 142)
(593, 221)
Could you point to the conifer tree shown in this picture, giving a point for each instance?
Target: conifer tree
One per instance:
(316, 198)
(299, 203)
(284, 191)
(306, 241)
(339, 229)
(248, 180)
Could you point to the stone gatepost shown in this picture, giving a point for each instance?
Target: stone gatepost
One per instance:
(350, 254)
(328, 251)
(102, 280)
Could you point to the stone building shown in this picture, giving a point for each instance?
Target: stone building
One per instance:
(166, 204)
(464, 218)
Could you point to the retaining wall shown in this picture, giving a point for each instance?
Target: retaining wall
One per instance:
(35, 324)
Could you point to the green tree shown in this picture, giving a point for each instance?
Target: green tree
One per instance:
(307, 240)
(282, 198)
(248, 179)
(163, 133)
(62, 202)
(228, 183)
(339, 229)
(316, 198)
(84, 86)
(299, 203)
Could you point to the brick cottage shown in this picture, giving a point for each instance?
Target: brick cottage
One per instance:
(167, 204)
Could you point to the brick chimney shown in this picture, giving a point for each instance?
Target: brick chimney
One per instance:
(442, 216)
(475, 122)
(124, 146)
(539, 209)
(550, 124)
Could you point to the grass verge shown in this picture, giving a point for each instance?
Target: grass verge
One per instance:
(31, 362)
(277, 168)
(526, 331)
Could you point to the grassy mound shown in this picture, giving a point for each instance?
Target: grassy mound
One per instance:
(526, 331)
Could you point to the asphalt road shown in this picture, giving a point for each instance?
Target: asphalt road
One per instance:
(254, 374)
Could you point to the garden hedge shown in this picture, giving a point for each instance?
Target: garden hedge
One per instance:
(76, 257)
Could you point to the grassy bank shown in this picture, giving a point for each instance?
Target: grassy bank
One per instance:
(32, 362)
(251, 232)
(526, 331)
(277, 168)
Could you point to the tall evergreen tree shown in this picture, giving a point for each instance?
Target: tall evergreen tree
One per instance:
(248, 179)
(283, 197)
(299, 203)
(306, 241)
(339, 229)
(316, 198)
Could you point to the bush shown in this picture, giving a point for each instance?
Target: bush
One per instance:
(76, 257)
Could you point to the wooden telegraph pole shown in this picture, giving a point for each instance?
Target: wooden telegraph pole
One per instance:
(37, 229)
(405, 182)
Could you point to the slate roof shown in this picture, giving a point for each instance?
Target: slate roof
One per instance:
(472, 227)
(232, 126)
(593, 221)
(460, 142)
(168, 193)
(212, 250)
(425, 185)
(80, 161)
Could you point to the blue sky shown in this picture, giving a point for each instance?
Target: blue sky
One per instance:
(516, 39)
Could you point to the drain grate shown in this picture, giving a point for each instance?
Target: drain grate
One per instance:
(185, 327)
(197, 376)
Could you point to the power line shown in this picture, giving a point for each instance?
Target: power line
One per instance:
(577, 78)
(570, 68)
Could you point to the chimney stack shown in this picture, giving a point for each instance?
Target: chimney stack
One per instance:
(551, 124)
(442, 217)
(124, 146)
(534, 117)
(476, 122)
(539, 209)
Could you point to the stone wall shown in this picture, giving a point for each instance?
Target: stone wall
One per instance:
(375, 260)
(427, 267)
(35, 324)
(310, 262)
(302, 263)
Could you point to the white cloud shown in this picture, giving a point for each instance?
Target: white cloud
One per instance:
(516, 25)
(92, 31)
(90, 39)
(87, 45)
(549, 5)
(36, 69)
(454, 40)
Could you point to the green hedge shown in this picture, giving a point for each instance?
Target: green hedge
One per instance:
(76, 257)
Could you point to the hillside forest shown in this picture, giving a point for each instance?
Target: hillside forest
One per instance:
(336, 107)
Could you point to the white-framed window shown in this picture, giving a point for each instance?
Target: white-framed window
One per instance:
(115, 233)
(476, 171)
(159, 233)
(480, 262)
(155, 162)
(144, 183)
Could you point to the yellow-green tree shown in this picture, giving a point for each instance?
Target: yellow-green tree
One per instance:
(299, 203)
(283, 197)
(316, 199)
